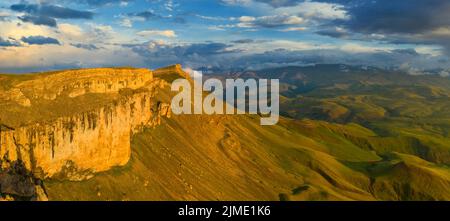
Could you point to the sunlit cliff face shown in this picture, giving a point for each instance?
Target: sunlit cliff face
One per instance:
(77, 143)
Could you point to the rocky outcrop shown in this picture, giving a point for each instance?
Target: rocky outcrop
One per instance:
(77, 146)
(18, 183)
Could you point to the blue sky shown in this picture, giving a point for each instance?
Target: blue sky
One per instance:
(38, 35)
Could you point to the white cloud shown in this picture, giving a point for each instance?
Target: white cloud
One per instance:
(72, 32)
(430, 50)
(270, 21)
(126, 22)
(246, 19)
(307, 9)
(216, 28)
(4, 14)
(358, 48)
(164, 33)
(295, 29)
(315, 10)
(43, 57)
(48, 56)
(9, 29)
(237, 2)
(441, 32)
(296, 45)
(212, 18)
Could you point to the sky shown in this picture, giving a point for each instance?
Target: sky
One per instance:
(40, 35)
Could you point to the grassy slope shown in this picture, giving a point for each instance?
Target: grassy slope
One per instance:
(233, 158)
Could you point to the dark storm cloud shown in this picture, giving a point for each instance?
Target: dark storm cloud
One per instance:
(399, 21)
(400, 16)
(40, 40)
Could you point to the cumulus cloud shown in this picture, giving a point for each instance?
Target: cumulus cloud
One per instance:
(304, 8)
(289, 14)
(316, 10)
(86, 45)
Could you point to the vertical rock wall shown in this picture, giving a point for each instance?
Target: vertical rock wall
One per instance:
(75, 147)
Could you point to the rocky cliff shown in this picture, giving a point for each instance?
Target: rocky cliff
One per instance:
(78, 144)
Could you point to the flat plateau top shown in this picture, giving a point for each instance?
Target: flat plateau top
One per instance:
(29, 98)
